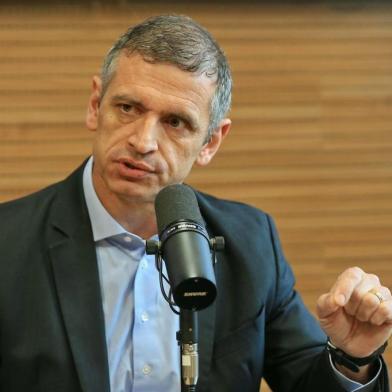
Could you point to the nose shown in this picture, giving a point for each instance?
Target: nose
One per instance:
(143, 137)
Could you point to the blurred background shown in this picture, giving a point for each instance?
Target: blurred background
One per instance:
(311, 141)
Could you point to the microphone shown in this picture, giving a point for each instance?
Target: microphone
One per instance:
(185, 247)
(188, 252)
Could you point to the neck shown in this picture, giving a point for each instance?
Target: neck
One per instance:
(134, 214)
(137, 218)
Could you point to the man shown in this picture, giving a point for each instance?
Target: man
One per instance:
(80, 304)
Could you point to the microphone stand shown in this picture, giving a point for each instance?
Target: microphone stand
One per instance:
(188, 335)
(188, 338)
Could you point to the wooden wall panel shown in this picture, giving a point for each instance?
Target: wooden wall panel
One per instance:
(311, 141)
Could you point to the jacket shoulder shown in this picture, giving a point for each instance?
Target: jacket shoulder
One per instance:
(24, 220)
(230, 211)
(29, 204)
(30, 209)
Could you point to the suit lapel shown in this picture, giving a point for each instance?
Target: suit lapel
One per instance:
(207, 317)
(73, 258)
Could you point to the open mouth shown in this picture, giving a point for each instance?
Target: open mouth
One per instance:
(131, 169)
(135, 168)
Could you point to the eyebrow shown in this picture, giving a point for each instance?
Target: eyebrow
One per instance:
(180, 114)
(126, 98)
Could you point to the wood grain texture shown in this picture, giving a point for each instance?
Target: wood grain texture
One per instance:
(311, 141)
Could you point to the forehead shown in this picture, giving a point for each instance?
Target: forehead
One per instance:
(161, 81)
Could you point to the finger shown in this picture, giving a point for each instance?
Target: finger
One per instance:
(383, 314)
(368, 282)
(326, 305)
(370, 303)
(346, 284)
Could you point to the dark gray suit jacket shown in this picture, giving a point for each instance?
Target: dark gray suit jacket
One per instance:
(52, 336)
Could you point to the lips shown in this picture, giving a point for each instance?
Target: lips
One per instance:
(130, 163)
(132, 169)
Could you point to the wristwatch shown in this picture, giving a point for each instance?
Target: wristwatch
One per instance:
(350, 362)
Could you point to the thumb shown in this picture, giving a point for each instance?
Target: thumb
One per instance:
(327, 305)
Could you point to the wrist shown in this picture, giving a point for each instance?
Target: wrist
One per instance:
(363, 376)
(354, 364)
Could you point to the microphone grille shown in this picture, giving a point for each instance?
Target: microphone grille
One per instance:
(176, 202)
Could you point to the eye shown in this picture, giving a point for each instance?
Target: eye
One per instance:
(175, 122)
(125, 107)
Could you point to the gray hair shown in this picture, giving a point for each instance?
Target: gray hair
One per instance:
(180, 41)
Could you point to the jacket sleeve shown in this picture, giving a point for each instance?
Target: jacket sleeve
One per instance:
(296, 358)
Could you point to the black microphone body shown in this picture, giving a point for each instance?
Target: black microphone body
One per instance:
(185, 247)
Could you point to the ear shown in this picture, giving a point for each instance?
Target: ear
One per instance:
(212, 146)
(93, 104)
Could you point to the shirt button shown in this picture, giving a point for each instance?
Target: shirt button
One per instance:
(127, 239)
(146, 370)
(144, 264)
(144, 316)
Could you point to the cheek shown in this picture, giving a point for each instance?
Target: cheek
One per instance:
(180, 157)
(109, 136)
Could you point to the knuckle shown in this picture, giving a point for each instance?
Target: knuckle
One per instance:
(355, 272)
(381, 315)
(387, 291)
(370, 300)
(374, 278)
(384, 310)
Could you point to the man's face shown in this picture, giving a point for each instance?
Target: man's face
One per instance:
(150, 128)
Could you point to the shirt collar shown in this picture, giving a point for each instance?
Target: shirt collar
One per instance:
(102, 223)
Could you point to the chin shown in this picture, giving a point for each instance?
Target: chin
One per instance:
(135, 192)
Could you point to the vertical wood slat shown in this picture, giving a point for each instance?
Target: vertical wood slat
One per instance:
(311, 141)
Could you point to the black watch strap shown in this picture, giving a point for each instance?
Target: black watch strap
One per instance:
(353, 363)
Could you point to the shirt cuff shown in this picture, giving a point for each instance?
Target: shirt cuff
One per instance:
(353, 386)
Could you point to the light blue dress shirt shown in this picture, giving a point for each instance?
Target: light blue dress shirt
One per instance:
(140, 326)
